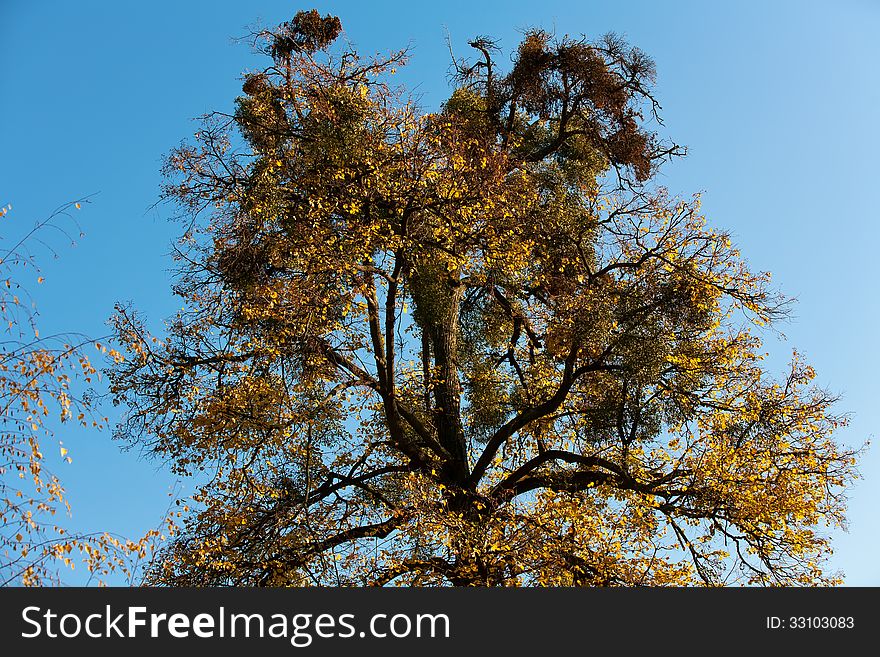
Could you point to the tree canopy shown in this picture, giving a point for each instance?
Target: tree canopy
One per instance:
(476, 346)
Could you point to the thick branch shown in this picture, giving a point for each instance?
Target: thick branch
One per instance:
(294, 559)
(376, 335)
(569, 376)
(397, 434)
(437, 564)
(533, 464)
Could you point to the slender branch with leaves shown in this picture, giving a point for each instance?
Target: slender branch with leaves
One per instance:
(41, 382)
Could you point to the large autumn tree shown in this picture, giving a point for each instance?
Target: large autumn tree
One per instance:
(478, 346)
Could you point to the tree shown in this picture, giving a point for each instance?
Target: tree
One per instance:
(472, 347)
(38, 380)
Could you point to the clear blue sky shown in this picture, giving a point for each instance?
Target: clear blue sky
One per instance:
(777, 103)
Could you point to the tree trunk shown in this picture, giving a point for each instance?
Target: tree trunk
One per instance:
(437, 296)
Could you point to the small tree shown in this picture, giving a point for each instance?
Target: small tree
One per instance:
(470, 347)
(38, 375)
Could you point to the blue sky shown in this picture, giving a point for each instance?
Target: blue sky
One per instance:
(775, 101)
